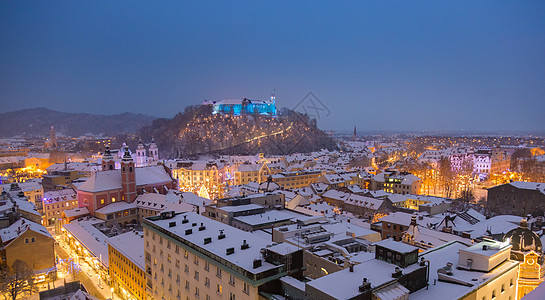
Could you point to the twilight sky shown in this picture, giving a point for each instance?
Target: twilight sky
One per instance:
(384, 65)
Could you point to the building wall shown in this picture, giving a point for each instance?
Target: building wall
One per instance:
(393, 230)
(23, 248)
(297, 181)
(503, 287)
(174, 269)
(314, 265)
(507, 199)
(121, 218)
(126, 274)
(192, 179)
(146, 212)
(55, 209)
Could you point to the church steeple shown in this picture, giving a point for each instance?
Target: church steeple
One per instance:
(153, 150)
(107, 160)
(128, 176)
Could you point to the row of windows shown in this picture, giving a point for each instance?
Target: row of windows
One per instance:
(494, 294)
(59, 205)
(30, 240)
(186, 268)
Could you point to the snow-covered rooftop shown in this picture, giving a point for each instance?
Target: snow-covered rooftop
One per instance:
(438, 258)
(131, 245)
(344, 284)
(396, 246)
(115, 207)
(19, 227)
(111, 180)
(90, 237)
(233, 238)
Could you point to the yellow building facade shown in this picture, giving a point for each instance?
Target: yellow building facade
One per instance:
(126, 265)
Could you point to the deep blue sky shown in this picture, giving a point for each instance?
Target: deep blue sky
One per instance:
(384, 65)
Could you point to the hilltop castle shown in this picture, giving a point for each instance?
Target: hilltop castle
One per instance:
(239, 107)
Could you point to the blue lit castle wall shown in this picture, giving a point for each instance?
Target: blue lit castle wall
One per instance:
(239, 107)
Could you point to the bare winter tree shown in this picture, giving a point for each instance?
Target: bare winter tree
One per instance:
(17, 280)
(446, 177)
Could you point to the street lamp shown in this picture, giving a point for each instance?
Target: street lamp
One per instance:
(112, 290)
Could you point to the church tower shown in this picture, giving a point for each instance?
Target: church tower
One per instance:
(107, 160)
(153, 150)
(140, 155)
(52, 138)
(527, 249)
(128, 176)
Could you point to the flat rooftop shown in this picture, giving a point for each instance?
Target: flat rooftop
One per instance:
(234, 238)
(131, 245)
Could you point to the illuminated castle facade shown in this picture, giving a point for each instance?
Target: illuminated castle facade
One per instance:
(246, 106)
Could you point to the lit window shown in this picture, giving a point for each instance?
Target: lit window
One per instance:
(219, 289)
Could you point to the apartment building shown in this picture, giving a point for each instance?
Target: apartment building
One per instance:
(189, 256)
(126, 264)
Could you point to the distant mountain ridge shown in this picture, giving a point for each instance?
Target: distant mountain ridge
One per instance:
(37, 122)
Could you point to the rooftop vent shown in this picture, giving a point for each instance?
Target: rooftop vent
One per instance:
(207, 240)
(397, 273)
(230, 251)
(167, 215)
(422, 261)
(221, 235)
(185, 220)
(202, 227)
(244, 245)
(188, 231)
(257, 263)
(366, 285)
(171, 224)
(446, 269)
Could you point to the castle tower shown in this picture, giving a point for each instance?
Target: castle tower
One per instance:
(153, 150)
(52, 138)
(107, 160)
(140, 155)
(128, 177)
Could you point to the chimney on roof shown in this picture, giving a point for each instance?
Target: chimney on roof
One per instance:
(397, 273)
(413, 220)
(244, 245)
(366, 285)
